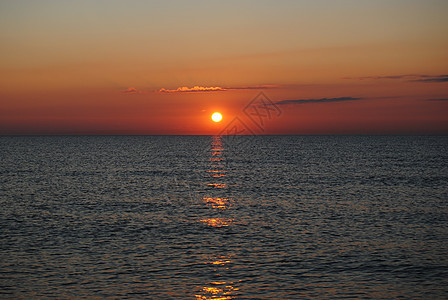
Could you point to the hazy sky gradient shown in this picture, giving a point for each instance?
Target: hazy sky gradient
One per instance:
(64, 65)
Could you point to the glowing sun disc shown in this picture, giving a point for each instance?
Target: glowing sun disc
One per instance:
(216, 117)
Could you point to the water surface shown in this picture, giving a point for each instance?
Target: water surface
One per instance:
(209, 217)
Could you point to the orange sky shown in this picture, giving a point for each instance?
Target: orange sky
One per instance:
(344, 67)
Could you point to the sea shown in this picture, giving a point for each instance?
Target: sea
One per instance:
(224, 217)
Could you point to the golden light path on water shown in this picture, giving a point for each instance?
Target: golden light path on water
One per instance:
(217, 290)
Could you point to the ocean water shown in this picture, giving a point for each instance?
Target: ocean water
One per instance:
(210, 217)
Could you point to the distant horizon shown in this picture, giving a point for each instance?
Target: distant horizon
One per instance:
(93, 135)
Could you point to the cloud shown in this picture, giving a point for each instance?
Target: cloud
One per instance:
(185, 89)
(321, 100)
(384, 77)
(196, 89)
(439, 99)
(256, 87)
(132, 90)
(408, 77)
(438, 78)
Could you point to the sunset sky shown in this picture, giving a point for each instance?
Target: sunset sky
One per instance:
(163, 67)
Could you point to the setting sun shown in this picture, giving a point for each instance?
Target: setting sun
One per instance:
(216, 117)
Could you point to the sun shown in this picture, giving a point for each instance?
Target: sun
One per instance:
(216, 117)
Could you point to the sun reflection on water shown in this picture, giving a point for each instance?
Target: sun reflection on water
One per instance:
(220, 260)
(216, 173)
(217, 185)
(217, 222)
(219, 201)
(215, 159)
(217, 291)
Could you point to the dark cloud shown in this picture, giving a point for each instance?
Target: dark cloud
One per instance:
(321, 100)
(255, 87)
(438, 78)
(383, 77)
(408, 77)
(440, 99)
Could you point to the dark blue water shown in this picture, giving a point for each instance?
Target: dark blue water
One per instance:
(200, 217)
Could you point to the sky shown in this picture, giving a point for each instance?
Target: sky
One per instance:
(270, 67)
